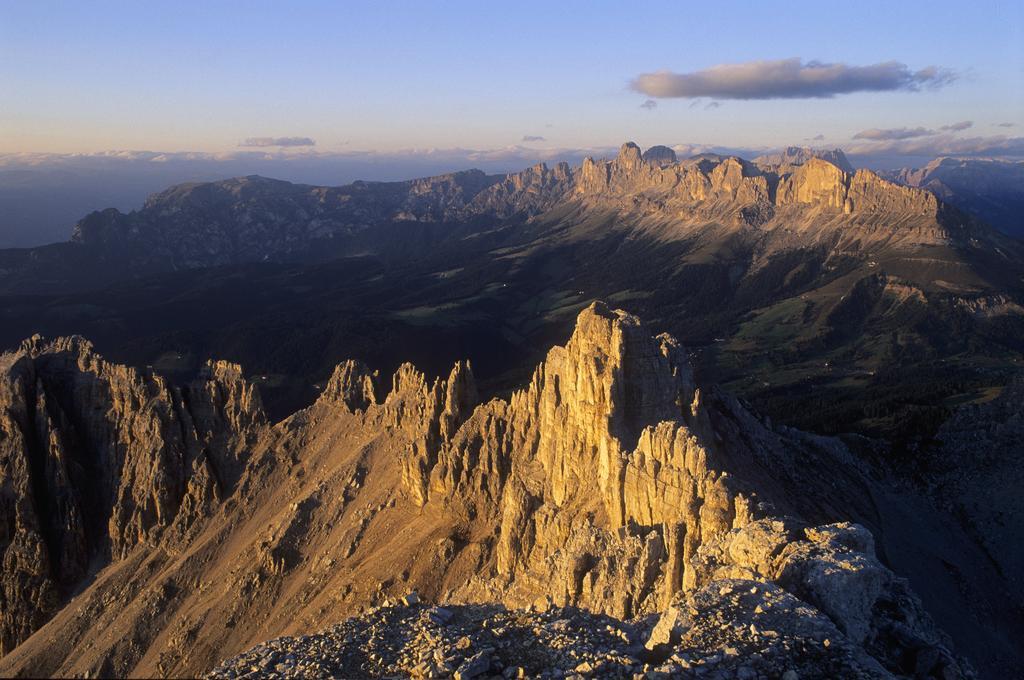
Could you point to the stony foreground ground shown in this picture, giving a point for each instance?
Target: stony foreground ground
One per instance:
(737, 629)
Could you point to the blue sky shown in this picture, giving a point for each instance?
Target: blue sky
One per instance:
(387, 76)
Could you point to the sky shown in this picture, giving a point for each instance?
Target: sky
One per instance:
(389, 77)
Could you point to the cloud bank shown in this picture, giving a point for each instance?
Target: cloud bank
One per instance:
(790, 79)
(278, 141)
(893, 133)
(996, 146)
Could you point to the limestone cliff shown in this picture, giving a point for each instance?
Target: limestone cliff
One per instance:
(612, 481)
(660, 155)
(254, 219)
(612, 485)
(788, 159)
(99, 459)
(988, 188)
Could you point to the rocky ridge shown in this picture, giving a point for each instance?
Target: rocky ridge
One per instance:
(252, 219)
(793, 156)
(772, 635)
(100, 460)
(990, 432)
(990, 189)
(612, 483)
(869, 212)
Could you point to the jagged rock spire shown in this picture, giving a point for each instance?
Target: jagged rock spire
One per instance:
(660, 156)
(610, 482)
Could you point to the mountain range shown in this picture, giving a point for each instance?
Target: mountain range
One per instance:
(822, 401)
(797, 279)
(990, 189)
(154, 530)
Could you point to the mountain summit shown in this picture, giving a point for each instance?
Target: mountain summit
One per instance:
(990, 189)
(612, 481)
(792, 156)
(255, 219)
(796, 270)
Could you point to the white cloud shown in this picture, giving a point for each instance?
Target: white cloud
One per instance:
(789, 79)
(278, 141)
(944, 145)
(889, 134)
(893, 133)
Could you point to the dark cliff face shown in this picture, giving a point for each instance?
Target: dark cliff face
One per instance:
(99, 459)
(660, 155)
(992, 190)
(255, 219)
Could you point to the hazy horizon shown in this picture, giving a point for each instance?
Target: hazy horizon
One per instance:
(110, 103)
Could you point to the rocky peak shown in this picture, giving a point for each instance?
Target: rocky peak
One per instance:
(227, 414)
(629, 157)
(609, 427)
(815, 182)
(211, 196)
(728, 175)
(105, 458)
(626, 174)
(792, 156)
(351, 386)
(37, 345)
(100, 227)
(868, 192)
(528, 192)
(822, 184)
(610, 482)
(428, 416)
(461, 186)
(660, 156)
(639, 379)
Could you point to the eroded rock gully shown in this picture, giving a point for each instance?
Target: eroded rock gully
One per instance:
(99, 459)
(150, 529)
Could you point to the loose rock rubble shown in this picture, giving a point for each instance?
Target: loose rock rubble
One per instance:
(733, 628)
(462, 641)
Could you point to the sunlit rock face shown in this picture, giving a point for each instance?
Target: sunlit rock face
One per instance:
(101, 459)
(789, 158)
(611, 482)
(255, 219)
